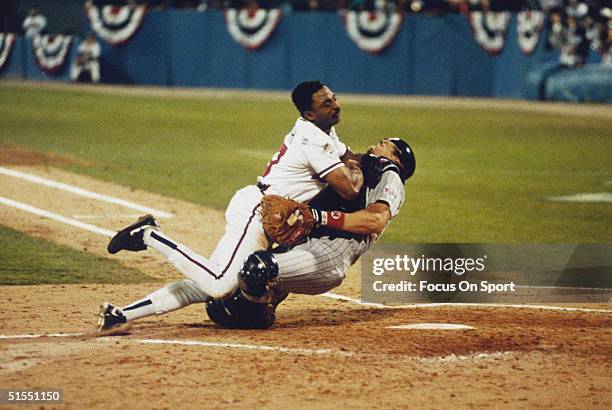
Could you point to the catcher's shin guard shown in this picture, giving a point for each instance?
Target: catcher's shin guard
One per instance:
(236, 312)
(259, 269)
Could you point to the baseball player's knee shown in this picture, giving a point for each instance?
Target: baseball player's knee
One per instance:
(329, 280)
(258, 270)
(237, 312)
(187, 292)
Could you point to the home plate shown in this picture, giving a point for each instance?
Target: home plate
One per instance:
(431, 326)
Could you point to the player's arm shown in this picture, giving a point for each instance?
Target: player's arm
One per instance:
(346, 180)
(387, 197)
(371, 220)
(350, 155)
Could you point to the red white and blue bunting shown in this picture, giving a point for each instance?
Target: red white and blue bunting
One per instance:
(372, 31)
(490, 29)
(6, 45)
(252, 28)
(51, 51)
(115, 24)
(528, 27)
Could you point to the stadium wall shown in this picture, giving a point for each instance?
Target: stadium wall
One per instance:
(430, 56)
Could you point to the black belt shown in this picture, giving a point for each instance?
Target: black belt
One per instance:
(262, 187)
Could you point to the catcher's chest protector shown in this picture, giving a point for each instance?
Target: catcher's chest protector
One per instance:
(329, 200)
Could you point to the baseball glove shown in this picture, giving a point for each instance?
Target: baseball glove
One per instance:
(285, 221)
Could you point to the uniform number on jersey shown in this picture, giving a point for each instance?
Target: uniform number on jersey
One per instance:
(275, 159)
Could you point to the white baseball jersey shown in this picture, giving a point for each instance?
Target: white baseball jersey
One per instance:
(307, 155)
(34, 25)
(390, 189)
(89, 52)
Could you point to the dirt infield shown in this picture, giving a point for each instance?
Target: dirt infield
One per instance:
(322, 352)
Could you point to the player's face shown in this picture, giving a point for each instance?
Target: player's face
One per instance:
(325, 111)
(385, 149)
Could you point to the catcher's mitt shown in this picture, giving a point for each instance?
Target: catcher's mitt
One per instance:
(285, 221)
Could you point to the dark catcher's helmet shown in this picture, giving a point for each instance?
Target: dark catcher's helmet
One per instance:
(406, 155)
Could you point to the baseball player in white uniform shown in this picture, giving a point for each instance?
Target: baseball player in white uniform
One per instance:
(311, 158)
(87, 59)
(34, 24)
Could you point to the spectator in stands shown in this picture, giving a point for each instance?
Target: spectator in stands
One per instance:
(87, 60)
(605, 36)
(570, 37)
(35, 23)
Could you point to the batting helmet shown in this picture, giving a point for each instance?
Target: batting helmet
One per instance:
(406, 156)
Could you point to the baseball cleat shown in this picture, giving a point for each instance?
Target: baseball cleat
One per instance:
(131, 238)
(112, 321)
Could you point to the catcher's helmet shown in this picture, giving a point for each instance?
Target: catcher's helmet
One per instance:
(406, 155)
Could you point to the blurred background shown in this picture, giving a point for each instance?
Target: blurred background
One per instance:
(526, 49)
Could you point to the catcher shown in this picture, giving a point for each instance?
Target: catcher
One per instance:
(319, 262)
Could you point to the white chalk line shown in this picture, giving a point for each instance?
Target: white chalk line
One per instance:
(247, 347)
(56, 217)
(464, 358)
(202, 343)
(585, 197)
(32, 336)
(83, 192)
(437, 305)
(108, 216)
(280, 349)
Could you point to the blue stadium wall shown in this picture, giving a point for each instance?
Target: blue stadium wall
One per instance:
(430, 56)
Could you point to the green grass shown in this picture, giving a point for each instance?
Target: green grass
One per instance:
(482, 175)
(29, 261)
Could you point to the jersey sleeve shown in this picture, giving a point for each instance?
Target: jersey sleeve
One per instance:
(322, 157)
(341, 147)
(389, 190)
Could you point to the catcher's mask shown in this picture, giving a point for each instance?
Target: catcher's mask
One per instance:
(406, 156)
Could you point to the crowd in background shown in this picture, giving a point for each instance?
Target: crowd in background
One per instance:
(575, 27)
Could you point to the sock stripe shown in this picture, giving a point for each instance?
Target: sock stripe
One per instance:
(163, 240)
(138, 305)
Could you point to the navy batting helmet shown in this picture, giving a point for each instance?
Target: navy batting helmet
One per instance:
(406, 156)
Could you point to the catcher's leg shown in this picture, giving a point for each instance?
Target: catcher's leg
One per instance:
(317, 266)
(236, 312)
(312, 268)
(217, 276)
